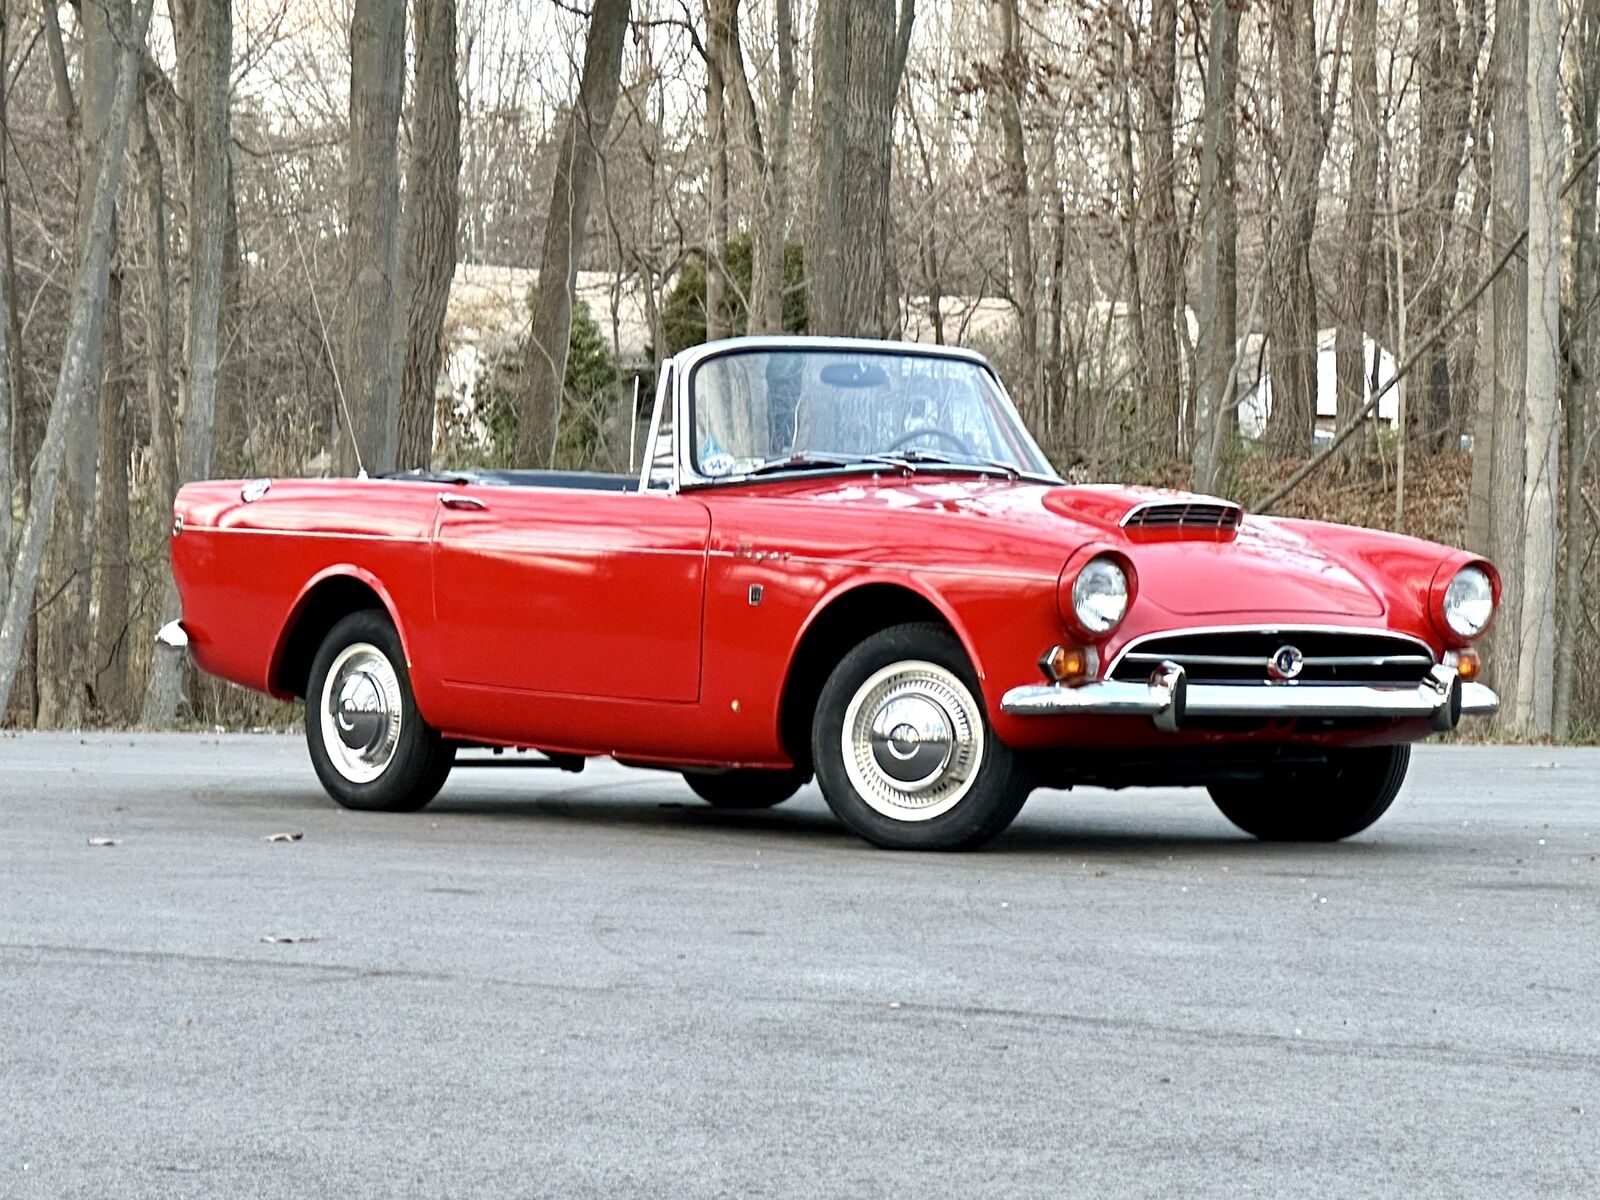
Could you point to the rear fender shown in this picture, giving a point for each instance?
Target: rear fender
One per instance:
(307, 597)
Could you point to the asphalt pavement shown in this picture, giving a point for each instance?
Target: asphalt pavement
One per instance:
(595, 985)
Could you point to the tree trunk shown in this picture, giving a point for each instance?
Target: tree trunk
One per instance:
(1509, 314)
(208, 54)
(21, 445)
(1480, 494)
(1018, 204)
(7, 396)
(433, 204)
(1585, 343)
(1161, 256)
(720, 16)
(377, 79)
(1217, 422)
(1355, 258)
(770, 251)
(1292, 312)
(858, 55)
(65, 674)
(1546, 166)
(1446, 64)
(550, 330)
(766, 159)
(113, 540)
(156, 304)
(75, 381)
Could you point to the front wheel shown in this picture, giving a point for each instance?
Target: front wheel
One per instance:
(903, 749)
(1326, 803)
(369, 744)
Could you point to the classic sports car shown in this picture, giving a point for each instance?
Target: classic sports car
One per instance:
(848, 559)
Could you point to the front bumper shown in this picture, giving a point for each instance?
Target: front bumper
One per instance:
(1169, 699)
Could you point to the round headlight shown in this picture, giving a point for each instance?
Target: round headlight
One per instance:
(1469, 601)
(1100, 595)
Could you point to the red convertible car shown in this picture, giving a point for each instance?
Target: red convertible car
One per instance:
(845, 559)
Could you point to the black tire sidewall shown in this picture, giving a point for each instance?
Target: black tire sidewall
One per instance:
(744, 788)
(422, 759)
(998, 792)
(1342, 800)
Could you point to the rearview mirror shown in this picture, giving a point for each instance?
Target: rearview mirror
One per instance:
(853, 375)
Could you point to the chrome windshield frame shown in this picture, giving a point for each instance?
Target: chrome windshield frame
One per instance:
(684, 364)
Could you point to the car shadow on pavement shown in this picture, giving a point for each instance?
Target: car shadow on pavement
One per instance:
(1041, 836)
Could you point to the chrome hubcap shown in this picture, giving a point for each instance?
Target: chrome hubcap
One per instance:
(913, 741)
(361, 712)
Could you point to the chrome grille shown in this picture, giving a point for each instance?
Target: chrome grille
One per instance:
(1247, 656)
(1199, 514)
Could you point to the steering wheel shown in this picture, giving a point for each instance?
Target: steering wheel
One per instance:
(954, 440)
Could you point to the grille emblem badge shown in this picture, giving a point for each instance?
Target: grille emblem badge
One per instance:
(1286, 663)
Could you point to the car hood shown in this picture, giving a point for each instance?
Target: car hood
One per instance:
(1262, 565)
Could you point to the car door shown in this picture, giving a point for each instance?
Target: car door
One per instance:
(571, 592)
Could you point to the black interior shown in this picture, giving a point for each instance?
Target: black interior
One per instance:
(593, 481)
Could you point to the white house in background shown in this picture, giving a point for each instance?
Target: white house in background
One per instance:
(1257, 393)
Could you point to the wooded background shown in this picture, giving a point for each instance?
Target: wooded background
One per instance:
(1332, 258)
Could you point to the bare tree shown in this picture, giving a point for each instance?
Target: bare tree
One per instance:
(1292, 312)
(721, 34)
(108, 648)
(1508, 321)
(1585, 350)
(1355, 252)
(1018, 204)
(377, 77)
(8, 399)
(766, 154)
(1161, 253)
(75, 384)
(1217, 421)
(858, 55)
(1546, 166)
(1446, 67)
(64, 680)
(546, 363)
(206, 38)
(433, 205)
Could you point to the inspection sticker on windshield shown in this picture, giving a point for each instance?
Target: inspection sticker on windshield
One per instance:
(714, 460)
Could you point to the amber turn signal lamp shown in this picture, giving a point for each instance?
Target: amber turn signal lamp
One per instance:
(1068, 664)
(1468, 665)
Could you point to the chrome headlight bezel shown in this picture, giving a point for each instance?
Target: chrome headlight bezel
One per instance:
(1101, 594)
(1467, 603)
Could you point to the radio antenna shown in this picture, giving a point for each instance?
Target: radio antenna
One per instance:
(327, 348)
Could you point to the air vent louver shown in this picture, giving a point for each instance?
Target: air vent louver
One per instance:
(1179, 514)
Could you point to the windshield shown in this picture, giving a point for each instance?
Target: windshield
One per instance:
(798, 408)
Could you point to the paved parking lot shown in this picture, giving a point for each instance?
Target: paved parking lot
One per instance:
(557, 985)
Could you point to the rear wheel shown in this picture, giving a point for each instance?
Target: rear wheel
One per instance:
(1325, 803)
(744, 788)
(903, 749)
(369, 744)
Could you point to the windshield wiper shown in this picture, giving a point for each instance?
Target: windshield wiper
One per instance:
(934, 458)
(803, 460)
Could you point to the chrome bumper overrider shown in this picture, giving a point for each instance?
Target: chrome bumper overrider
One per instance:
(1168, 699)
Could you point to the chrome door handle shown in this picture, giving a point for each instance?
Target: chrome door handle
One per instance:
(451, 500)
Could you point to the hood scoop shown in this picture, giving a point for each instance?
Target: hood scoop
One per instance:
(1199, 513)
